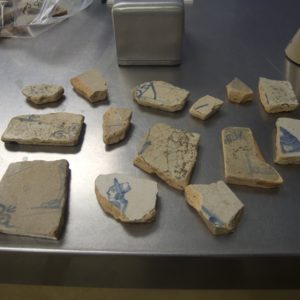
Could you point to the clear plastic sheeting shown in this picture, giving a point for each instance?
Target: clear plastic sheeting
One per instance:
(29, 18)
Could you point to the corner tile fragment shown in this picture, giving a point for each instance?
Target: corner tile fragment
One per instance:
(244, 164)
(90, 85)
(216, 204)
(277, 96)
(287, 149)
(33, 198)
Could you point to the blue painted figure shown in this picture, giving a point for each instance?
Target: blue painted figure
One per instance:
(289, 143)
(116, 194)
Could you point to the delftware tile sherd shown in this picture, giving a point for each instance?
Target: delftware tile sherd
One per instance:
(216, 204)
(33, 198)
(116, 122)
(287, 149)
(277, 96)
(160, 95)
(91, 85)
(205, 107)
(53, 129)
(239, 92)
(244, 163)
(170, 153)
(43, 93)
(127, 198)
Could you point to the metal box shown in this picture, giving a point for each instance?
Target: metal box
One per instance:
(148, 32)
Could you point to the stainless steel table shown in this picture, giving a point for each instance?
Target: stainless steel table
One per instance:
(223, 39)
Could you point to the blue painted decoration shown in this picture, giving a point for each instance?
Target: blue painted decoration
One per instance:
(143, 88)
(289, 143)
(116, 194)
(5, 214)
(212, 218)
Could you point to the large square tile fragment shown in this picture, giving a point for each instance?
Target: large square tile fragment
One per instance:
(287, 141)
(169, 153)
(160, 95)
(33, 198)
(127, 198)
(277, 96)
(239, 92)
(216, 204)
(50, 129)
(244, 163)
(90, 85)
(206, 106)
(116, 122)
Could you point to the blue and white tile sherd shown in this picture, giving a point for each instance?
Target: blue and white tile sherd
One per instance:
(55, 129)
(33, 198)
(127, 198)
(244, 163)
(90, 85)
(43, 93)
(170, 153)
(160, 95)
(277, 96)
(287, 149)
(205, 107)
(216, 204)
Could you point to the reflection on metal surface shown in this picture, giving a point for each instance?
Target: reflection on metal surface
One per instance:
(292, 74)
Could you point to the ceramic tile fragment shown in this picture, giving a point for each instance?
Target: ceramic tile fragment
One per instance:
(160, 95)
(287, 141)
(91, 85)
(50, 129)
(33, 198)
(205, 107)
(277, 96)
(243, 161)
(59, 11)
(238, 92)
(128, 199)
(116, 122)
(216, 204)
(43, 93)
(169, 153)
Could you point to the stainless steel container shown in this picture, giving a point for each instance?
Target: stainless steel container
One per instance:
(148, 32)
(292, 64)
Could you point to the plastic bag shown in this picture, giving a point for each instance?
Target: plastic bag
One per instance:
(29, 18)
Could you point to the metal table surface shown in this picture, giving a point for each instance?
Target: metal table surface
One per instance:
(223, 39)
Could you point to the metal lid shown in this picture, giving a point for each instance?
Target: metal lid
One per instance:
(292, 51)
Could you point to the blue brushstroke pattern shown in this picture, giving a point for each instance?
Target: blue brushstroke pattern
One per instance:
(116, 194)
(212, 218)
(289, 143)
